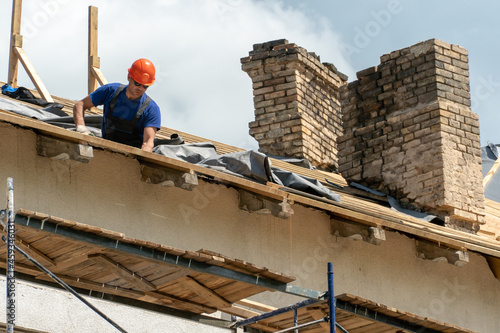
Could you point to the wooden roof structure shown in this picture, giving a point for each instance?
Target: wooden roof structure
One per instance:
(135, 275)
(93, 258)
(357, 315)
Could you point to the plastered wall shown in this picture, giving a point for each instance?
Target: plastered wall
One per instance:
(107, 192)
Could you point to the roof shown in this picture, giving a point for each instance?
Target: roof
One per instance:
(356, 206)
(95, 261)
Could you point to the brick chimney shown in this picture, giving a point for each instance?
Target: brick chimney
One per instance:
(409, 132)
(297, 103)
(404, 127)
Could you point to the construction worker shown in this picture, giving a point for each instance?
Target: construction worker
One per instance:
(130, 116)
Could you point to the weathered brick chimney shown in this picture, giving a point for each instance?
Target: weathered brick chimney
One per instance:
(406, 128)
(409, 132)
(297, 103)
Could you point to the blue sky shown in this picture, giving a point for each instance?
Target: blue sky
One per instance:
(196, 46)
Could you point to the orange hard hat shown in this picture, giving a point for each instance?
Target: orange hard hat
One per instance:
(143, 72)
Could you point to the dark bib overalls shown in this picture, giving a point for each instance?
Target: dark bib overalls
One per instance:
(123, 130)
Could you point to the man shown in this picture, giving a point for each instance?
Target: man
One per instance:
(130, 116)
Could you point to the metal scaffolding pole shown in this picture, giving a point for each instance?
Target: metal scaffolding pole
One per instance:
(331, 298)
(9, 215)
(331, 305)
(11, 257)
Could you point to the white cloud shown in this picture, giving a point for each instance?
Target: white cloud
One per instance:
(196, 47)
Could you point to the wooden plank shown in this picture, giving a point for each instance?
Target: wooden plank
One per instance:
(73, 261)
(15, 41)
(92, 48)
(207, 294)
(37, 81)
(317, 314)
(256, 305)
(35, 253)
(97, 73)
(167, 280)
(122, 272)
(240, 312)
(491, 172)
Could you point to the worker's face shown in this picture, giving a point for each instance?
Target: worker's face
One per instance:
(135, 90)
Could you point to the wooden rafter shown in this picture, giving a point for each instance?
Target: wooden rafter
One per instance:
(491, 172)
(122, 272)
(205, 293)
(36, 254)
(17, 54)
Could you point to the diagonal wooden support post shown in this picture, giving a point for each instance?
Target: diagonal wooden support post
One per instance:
(17, 54)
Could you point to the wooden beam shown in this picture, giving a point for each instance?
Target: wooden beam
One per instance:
(73, 261)
(98, 75)
(256, 305)
(181, 304)
(205, 293)
(37, 81)
(122, 272)
(240, 312)
(15, 41)
(93, 56)
(318, 314)
(491, 172)
(169, 279)
(36, 254)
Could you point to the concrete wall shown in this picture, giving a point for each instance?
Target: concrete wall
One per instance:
(57, 311)
(107, 192)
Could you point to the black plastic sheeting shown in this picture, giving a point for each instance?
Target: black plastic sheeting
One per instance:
(248, 164)
(31, 111)
(489, 154)
(394, 204)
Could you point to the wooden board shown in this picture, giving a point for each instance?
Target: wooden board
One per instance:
(89, 265)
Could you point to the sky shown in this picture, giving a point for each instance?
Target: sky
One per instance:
(196, 46)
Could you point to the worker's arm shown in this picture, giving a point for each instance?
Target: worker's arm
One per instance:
(148, 139)
(79, 113)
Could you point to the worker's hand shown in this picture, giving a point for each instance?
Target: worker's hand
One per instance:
(83, 129)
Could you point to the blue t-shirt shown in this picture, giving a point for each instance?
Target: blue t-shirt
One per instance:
(126, 108)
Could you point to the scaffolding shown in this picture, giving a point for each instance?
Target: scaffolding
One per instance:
(8, 221)
(9, 214)
(330, 319)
